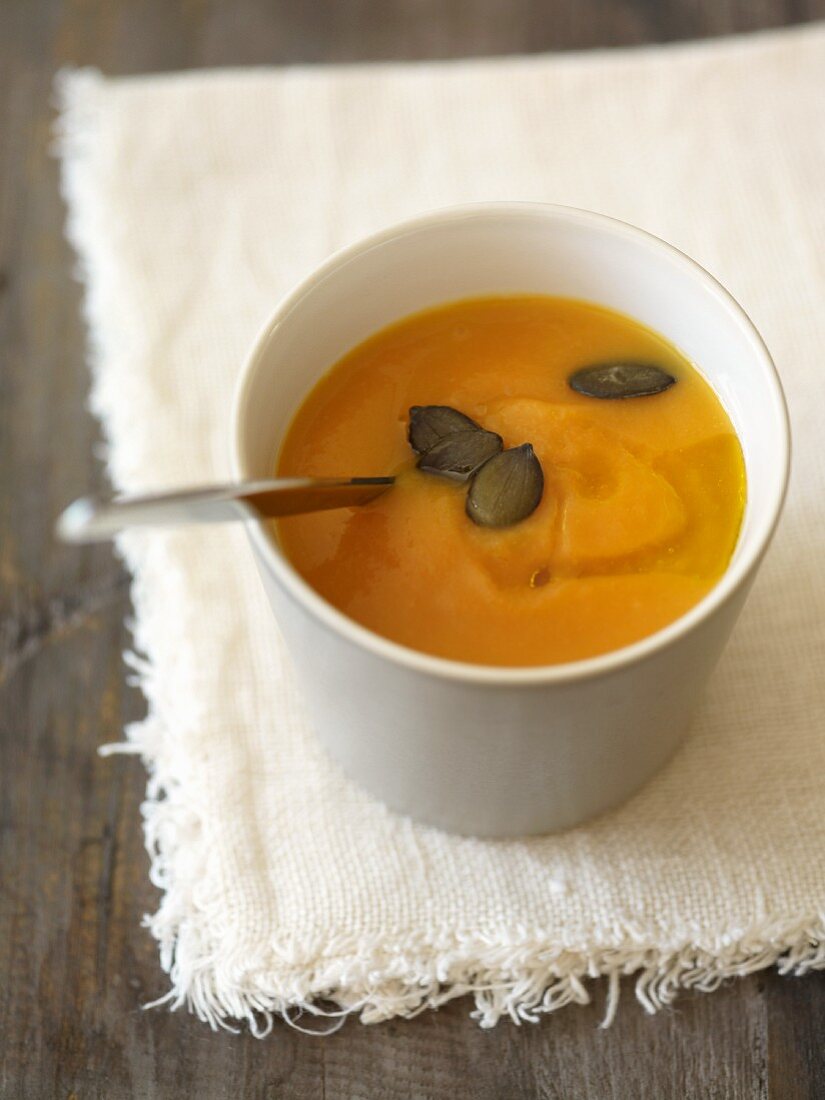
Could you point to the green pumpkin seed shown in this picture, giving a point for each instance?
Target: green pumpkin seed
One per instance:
(507, 489)
(459, 455)
(609, 380)
(429, 423)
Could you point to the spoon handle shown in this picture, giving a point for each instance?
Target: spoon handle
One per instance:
(90, 520)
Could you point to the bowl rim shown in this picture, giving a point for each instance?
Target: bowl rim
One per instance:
(328, 616)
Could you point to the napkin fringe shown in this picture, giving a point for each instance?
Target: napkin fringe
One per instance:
(506, 981)
(509, 974)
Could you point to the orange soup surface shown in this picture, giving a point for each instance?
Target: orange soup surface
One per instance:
(640, 511)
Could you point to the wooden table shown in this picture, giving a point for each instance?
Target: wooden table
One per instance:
(76, 965)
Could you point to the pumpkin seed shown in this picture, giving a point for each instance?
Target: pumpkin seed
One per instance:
(429, 423)
(621, 380)
(460, 454)
(507, 489)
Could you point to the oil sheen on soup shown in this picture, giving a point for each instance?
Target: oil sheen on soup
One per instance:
(641, 495)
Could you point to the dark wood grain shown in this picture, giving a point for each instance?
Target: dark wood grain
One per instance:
(75, 964)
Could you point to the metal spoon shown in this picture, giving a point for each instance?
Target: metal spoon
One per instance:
(90, 520)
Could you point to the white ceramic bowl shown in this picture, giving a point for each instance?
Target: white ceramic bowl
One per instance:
(504, 751)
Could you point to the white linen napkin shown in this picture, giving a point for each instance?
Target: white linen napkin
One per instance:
(195, 201)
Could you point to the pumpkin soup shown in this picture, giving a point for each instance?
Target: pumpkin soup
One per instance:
(566, 482)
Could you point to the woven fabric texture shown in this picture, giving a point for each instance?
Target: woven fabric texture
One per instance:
(195, 201)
